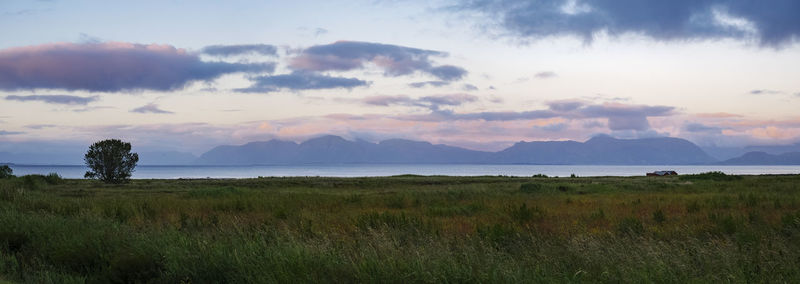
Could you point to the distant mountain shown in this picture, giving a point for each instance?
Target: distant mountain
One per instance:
(763, 158)
(336, 150)
(774, 149)
(606, 150)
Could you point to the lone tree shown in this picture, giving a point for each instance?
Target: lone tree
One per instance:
(110, 161)
(6, 171)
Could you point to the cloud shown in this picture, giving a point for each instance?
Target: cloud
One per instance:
(469, 87)
(395, 60)
(771, 23)
(765, 92)
(3, 132)
(240, 49)
(699, 127)
(85, 109)
(545, 75)
(40, 126)
(110, 67)
(555, 127)
(150, 108)
(625, 117)
(428, 83)
(430, 102)
(448, 72)
(565, 105)
(300, 81)
(55, 99)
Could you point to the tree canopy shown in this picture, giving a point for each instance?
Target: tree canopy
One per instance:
(110, 161)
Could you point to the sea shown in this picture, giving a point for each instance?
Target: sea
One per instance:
(370, 170)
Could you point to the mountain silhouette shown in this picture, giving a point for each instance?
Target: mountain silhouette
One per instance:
(763, 158)
(332, 149)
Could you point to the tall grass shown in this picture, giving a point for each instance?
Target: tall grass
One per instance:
(401, 229)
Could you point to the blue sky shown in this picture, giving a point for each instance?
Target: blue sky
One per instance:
(190, 75)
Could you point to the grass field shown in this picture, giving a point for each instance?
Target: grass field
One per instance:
(700, 228)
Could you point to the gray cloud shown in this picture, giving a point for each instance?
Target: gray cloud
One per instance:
(772, 23)
(393, 59)
(545, 75)
(625, 117)
(3, 132)
(55, 99)
(40, 126)
(698, 127)
(765, 92)
(555, 127)
(300, 81)
(620, 117)
(564, 105)
(240, 49)
(428, 83)
(110, 67)
(430, 102)
(469, 87)
(150, 108)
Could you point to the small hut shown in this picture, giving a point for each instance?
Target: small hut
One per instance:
(662, 173)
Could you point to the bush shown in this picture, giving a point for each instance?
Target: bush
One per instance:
(6, 172)
(523, 214)
(530, 187)
(630, 227)
(53, 178)
(712, 176)
(659, 216)
(12, 242)
(135, 267)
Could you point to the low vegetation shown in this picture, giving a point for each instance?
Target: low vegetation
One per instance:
(704, 228)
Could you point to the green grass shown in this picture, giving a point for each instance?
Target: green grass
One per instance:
(704, 228)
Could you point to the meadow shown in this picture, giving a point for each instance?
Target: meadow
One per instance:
(693, 228)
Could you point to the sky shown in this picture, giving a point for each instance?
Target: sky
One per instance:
(191, 75)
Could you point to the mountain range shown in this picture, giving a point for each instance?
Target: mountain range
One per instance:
(764, 158)
(336, 150)
(599, 150)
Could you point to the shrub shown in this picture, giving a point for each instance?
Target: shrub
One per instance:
(530, 187)
(12, 242)
(630, 226)
(33, 182)
(53, 178)
(135, 267)
(712, 176)
(659, 217)
(523, 214)
(6, 171)
(539, 176)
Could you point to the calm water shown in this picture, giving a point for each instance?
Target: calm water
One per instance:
(171, 172)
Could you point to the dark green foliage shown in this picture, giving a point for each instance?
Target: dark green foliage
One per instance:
(524, 214)
(712, 176)
(530, 187)
(539, 176)
(110, 161)
(135, 267)
(12, 242)
(6, 172)
(53, 178)
(659, 217)
(630, 226)
(724, 224)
